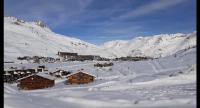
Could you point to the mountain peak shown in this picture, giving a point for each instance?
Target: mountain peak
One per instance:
(18, 21)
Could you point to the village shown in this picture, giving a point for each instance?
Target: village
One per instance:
(40, 77)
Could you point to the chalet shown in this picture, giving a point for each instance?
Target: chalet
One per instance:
(67, 55)
(36, 81)
(80, 78)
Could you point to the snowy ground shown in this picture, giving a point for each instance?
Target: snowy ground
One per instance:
(168, 82)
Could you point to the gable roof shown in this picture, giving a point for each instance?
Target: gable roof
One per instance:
(80, 72)
(46, 76)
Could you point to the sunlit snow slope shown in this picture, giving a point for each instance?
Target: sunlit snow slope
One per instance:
(35, 39)
(30, 38)
(153, 46)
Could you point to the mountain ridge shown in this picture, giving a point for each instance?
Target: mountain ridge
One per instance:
(23, 38)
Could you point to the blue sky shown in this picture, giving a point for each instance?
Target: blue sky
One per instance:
(98, 21)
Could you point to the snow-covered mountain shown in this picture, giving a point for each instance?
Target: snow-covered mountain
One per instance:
(167, 82)
(23, 38)
(153, 46)
(34, 38)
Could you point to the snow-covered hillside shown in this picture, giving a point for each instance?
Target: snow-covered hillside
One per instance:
(153, 46)
(36, 39)
(168, 82)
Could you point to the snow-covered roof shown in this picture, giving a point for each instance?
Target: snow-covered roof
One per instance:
(80, 72)
(25, 77)
(46, 76)
(40, 74)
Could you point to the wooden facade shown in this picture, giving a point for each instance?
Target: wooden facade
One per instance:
(35, 82)
(80, 78)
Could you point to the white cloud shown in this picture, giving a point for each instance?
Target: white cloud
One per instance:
(149, 8)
